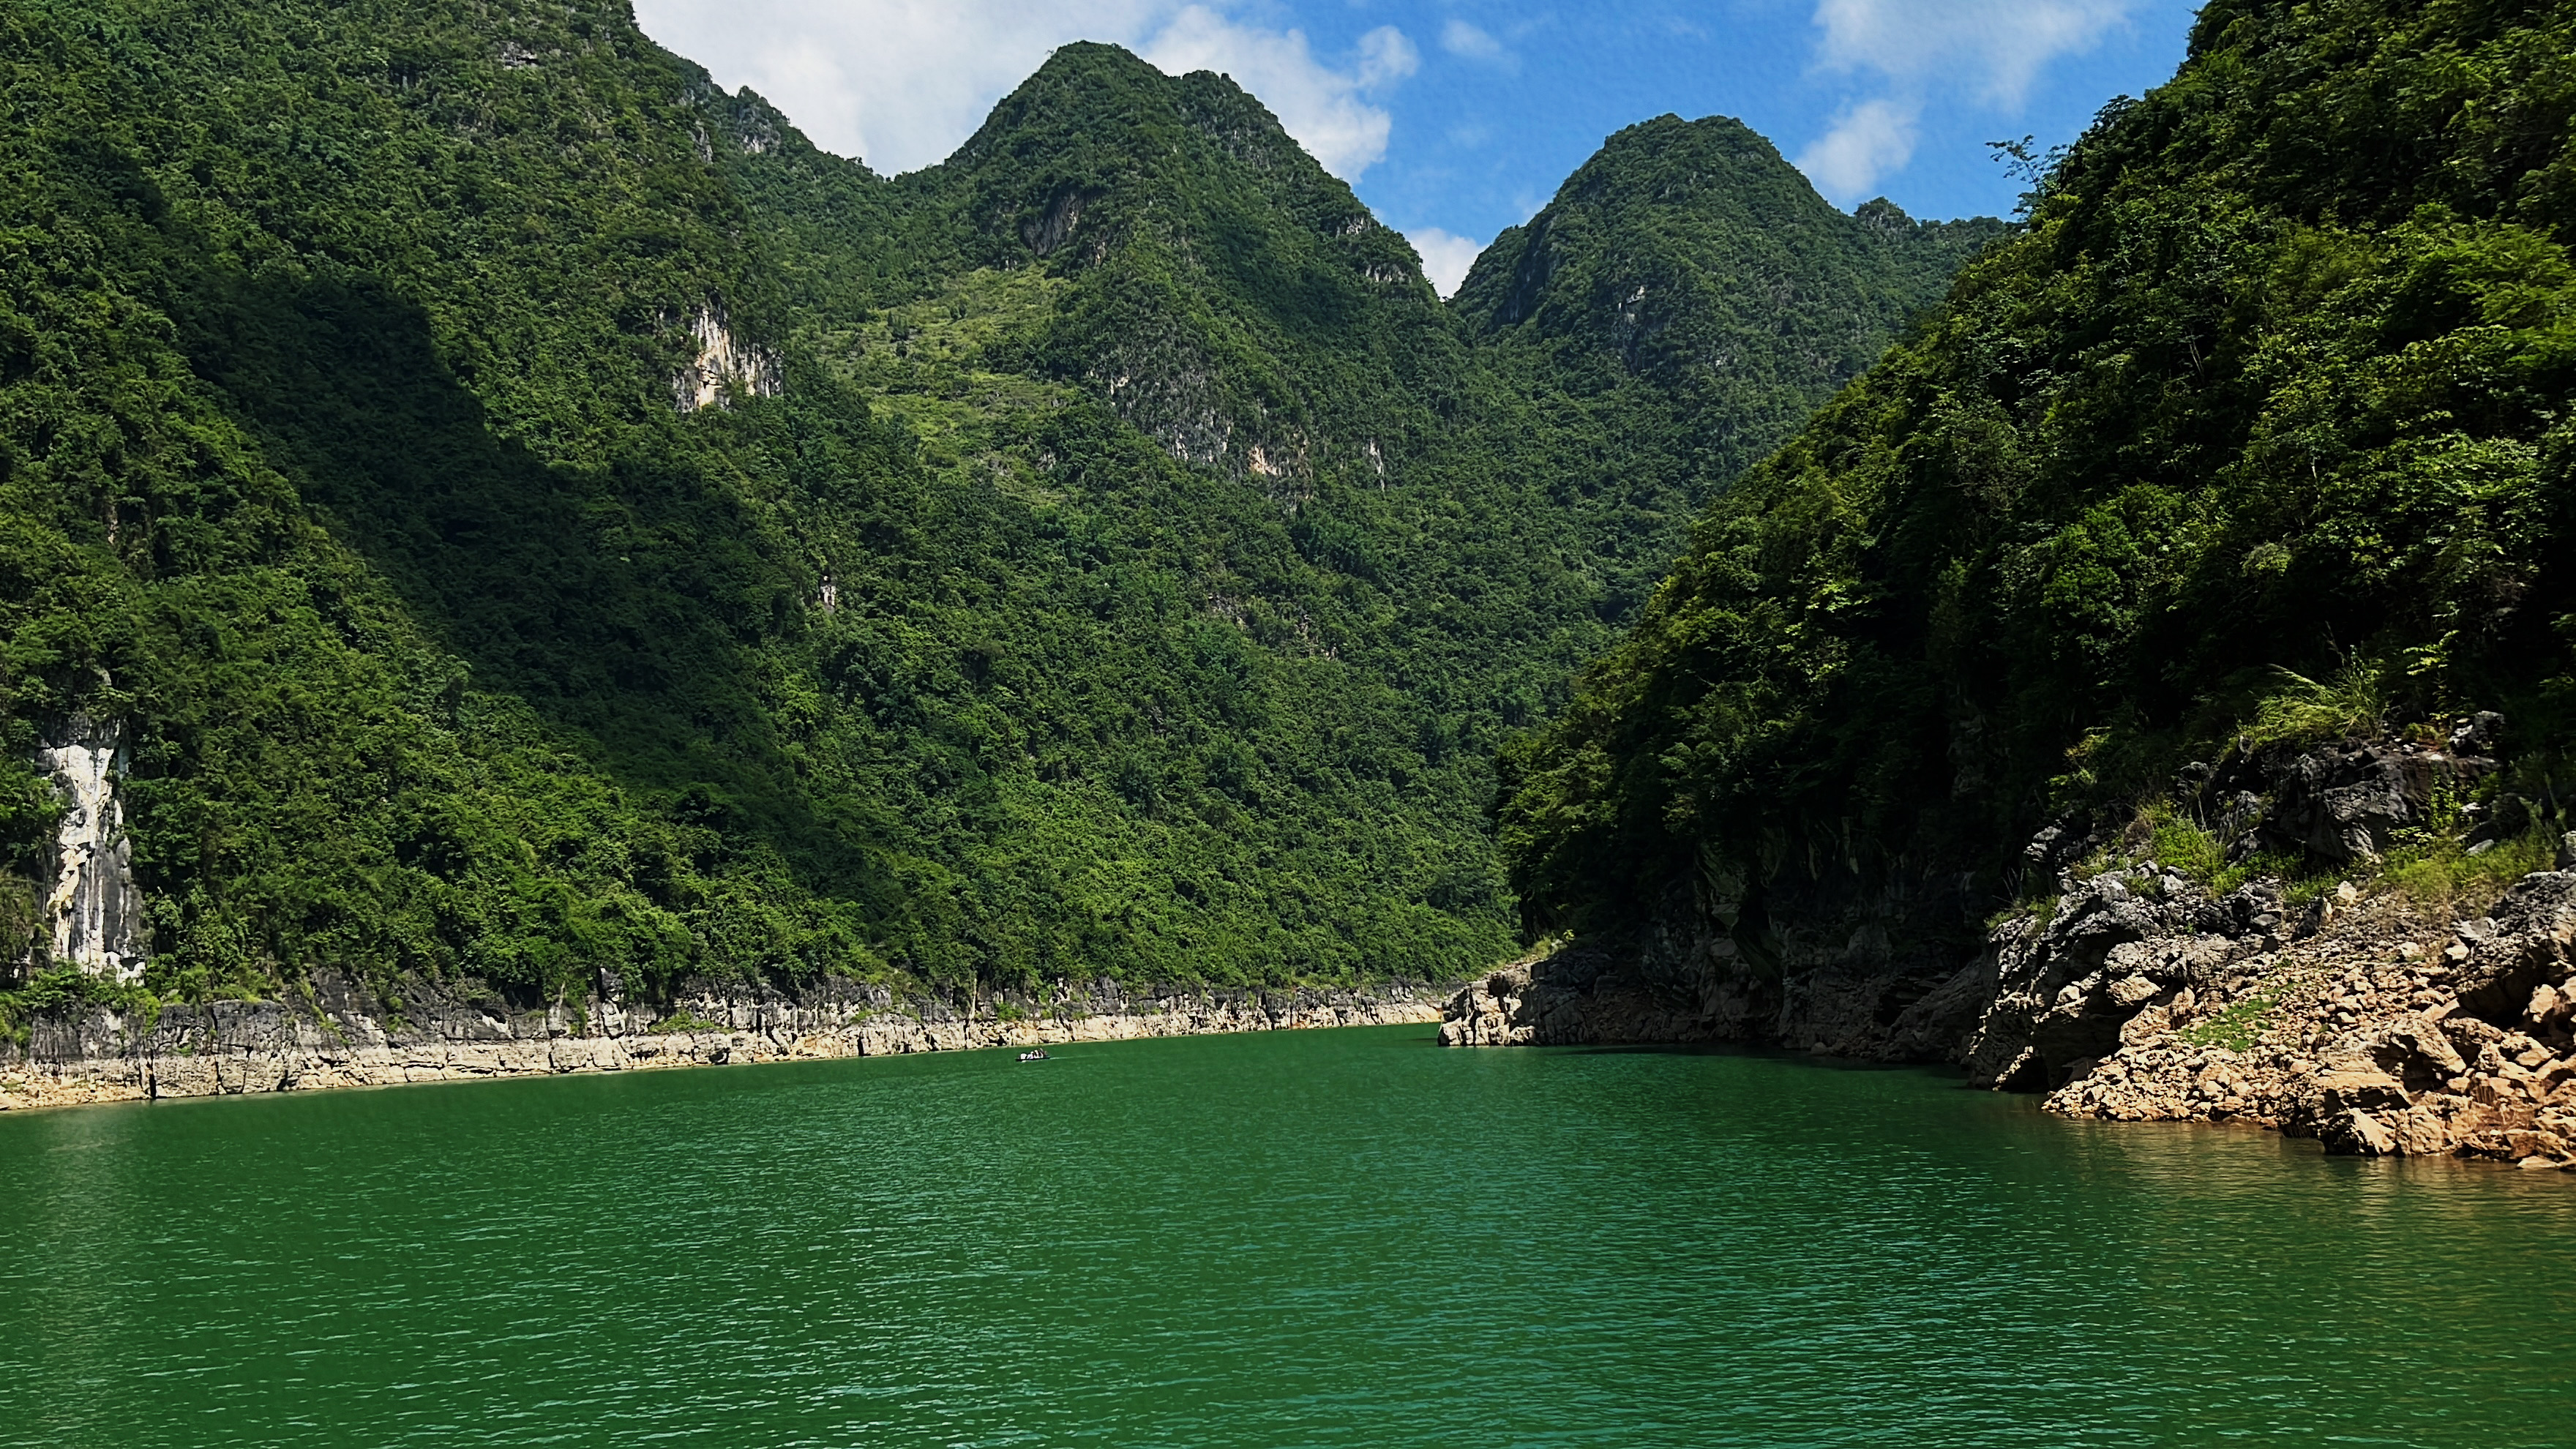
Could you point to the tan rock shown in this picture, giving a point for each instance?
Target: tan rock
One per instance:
(2358, 1133)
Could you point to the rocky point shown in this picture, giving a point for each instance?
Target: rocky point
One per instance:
(2358, 1017)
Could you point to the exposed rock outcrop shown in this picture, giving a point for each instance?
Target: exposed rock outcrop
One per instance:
(723, 365)
(2338, 803)
(93, 916)
(2119, 944)
(1565, 998)
(2134, 993)
(1884, 971)
(2384, 1036)
(342, 1034)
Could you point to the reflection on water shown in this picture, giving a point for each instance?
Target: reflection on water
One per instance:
(1309, 1238)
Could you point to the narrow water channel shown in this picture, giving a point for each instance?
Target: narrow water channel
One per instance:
(1312, 1238)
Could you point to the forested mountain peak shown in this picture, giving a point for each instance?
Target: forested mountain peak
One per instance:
(1676, 312)
(1098, 142)
(1680, 238)
(1220, 290)
(1230, 297)
(530, 517)
(2256, 436)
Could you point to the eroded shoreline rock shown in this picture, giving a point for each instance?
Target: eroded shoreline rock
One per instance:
(2135, 994)
(342, 1034)
(2386, 1037)
(2142, 997)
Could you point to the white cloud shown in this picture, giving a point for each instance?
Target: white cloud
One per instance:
(1983, 51)
(1460, 38)
(1866, 142)
(1385, 57)
(1998, 46)
(897, 83)
(900, 83)
(1322, 107)
(1446, 257)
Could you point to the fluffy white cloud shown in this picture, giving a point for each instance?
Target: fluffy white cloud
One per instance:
(1324, 108)
(1997, 46)
(899, 83)
(1984, 51)
(1446, 256)
(1865, 142)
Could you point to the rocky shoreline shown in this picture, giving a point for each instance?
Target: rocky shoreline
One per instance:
(2392, 1036)
(2360, 1022)
(340, 1033)
(2359, 1018)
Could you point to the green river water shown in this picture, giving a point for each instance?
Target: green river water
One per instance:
(1309, 1238)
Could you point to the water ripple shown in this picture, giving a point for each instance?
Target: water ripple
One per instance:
(1324, 1238)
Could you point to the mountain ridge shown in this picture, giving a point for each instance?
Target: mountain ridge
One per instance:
(2245, 455)
(932, 580)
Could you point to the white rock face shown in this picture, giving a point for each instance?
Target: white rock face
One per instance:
(93, 908)
(722, 364)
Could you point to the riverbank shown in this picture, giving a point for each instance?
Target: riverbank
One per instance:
(339, 1033)
(2423, 1005)
(2365, 1021)
(2388, 1033)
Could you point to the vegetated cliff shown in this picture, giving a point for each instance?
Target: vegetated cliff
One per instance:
(526, 514)
(2255, 440)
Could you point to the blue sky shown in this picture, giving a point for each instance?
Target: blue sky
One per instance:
(1454, 119)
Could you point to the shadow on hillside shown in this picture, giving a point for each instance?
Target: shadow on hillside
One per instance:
(627, 605)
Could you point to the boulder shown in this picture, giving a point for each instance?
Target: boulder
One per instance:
(2339, 1092)
(2529, 946)
(2338, 802)
(2356, 1133)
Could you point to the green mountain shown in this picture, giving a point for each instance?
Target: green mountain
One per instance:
(2258, 432)
(1677, 312)
(512, 509)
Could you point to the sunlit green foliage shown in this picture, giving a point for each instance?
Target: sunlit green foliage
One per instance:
(2273, 390)
(1132, 575)
(1676, 313)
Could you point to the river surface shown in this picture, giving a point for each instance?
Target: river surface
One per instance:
(1309, 1238)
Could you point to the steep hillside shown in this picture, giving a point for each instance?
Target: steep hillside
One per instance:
(432, 635)
(1676, 313)
(2257, 438)
(482, 502)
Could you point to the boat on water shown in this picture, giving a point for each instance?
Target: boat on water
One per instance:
(1034, 1056)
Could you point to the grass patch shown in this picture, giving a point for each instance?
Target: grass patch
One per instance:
(2431, 865)
(685, 1020)
(2179, 845)
(2235, 1027)
(2352, 704)
(2041, 909)
(2183, 847)
(2436, 871)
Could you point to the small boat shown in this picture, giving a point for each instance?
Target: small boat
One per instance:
(1036, 1056)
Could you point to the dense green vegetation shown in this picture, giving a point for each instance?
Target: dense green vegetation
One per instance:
(1112, 559)
(2273, 390)
(1675, 314)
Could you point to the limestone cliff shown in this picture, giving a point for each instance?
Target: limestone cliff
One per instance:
(723, 365)
(92, 915)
